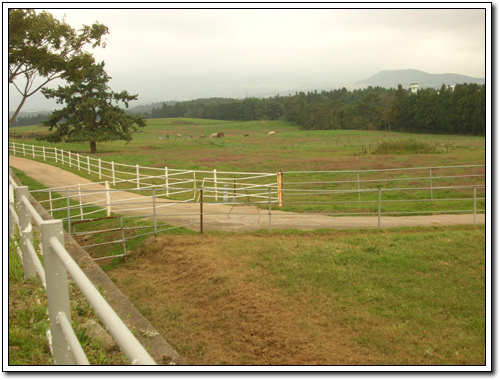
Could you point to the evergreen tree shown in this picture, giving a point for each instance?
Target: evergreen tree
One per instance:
(91, 113)
(398, 107)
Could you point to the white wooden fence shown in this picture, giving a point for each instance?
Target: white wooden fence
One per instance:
(174, 181)
(58, 263)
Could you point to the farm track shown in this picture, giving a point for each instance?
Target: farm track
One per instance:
(227, 217)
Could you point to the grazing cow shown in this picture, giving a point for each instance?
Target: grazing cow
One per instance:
(213, 135)
(168, 136)
(271, 133)
(220, 135)
(190, 135)
(202, 136)
(246, 135)
(178, 135)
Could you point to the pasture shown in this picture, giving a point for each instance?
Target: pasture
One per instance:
(249, 147)
(398, 297)
(289, 149)
(352, 297)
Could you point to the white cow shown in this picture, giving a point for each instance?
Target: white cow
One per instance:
(213, 135)
(271, 133)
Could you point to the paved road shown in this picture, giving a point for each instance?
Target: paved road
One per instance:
(222, 217)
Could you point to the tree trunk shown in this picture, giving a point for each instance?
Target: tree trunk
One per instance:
(13, 118)
(93, 147)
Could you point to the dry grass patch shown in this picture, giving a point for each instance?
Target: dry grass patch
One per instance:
(314, 298)
(206, 301)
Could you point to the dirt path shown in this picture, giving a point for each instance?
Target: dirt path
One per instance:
(222, 217)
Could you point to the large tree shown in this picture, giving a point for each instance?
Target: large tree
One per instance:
(42, 49)
(91, 113)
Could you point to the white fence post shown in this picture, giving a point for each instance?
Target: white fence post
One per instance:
(108, 199)
(68, 210)
(62, 156)
(24, 150)
(57, 290)
(33, 150)
(14, 148)
(69, 158)
(88, 164)
(78, 161)
(25, 231)
(194, 184)
(215, 184)
(80, 200)
(166, 181)
(113, 172)
(55, 154)
(99, 168)
(137, 173)
(12, 208)
(50, 203)
(43, 152)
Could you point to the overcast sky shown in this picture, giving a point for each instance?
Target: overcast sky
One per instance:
(177, 54)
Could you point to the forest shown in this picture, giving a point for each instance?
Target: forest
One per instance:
(22, 121)
(458, 110)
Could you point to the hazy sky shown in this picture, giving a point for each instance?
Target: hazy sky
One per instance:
(164, 54)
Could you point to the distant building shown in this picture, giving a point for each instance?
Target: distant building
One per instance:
(413, 88)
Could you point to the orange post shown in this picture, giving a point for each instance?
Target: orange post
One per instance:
(280, 189)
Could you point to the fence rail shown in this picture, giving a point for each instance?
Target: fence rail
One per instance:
(167, 215)
(144, 177)
(58, 263)
(158, 191)
(174, 182)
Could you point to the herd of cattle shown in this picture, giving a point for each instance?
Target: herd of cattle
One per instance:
(214, 135)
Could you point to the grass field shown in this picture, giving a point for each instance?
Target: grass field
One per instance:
(290, 149)
(352, 297)
(398, 297)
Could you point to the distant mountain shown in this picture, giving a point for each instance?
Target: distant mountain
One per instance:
(392, 78)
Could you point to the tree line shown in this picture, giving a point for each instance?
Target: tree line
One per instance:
(22, 121)
(458, 110)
